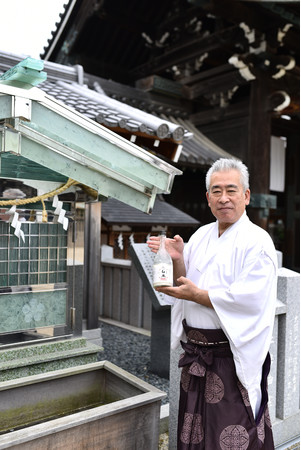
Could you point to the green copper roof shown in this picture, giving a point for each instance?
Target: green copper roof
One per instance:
(25, 74)
(43, 139)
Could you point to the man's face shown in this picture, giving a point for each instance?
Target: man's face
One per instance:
(226, 197)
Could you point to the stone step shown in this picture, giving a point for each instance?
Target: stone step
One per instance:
(60, 354)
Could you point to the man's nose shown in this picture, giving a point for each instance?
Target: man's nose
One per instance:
(224, 198)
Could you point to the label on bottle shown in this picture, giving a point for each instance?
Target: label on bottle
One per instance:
(162, 275)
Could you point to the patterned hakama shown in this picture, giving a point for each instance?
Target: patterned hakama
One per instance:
(214, 408)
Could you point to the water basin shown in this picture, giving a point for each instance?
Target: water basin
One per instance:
(97, 406)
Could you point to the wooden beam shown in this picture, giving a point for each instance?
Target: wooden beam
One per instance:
(179, 18)
(188, 50)
(222, 83)
(216, 114)
(206, 74)
(160, 84)
(259, 146)
(252, 13)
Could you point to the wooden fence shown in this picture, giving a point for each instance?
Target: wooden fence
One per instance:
(123, 297)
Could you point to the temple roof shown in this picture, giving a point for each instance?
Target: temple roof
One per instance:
(203, 55)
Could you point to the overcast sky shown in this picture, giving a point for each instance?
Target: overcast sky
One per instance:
(26, 25)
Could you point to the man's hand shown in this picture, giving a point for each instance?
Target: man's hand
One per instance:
(174, 246)
(187, 290)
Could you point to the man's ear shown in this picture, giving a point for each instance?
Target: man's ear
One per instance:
(247, 197)
(207, 196)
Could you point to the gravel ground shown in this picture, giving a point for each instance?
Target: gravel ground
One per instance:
(131, 351)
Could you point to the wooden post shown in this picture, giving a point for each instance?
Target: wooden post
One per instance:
(92, 263)
(160, 342)
(292, 202)
(259, 146)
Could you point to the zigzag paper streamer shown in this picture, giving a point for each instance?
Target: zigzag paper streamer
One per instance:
(11, 211)
(15, 223)
(60, 212)
(55, 201)
(120, 241)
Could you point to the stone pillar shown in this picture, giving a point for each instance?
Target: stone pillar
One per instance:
(174, 392)
(288, 344)
(272, 379)
(287, 423)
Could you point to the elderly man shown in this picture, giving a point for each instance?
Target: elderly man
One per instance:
(223, 313)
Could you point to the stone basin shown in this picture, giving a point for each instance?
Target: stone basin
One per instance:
(97, 406)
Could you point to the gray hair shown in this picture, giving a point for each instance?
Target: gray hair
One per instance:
(223, 165)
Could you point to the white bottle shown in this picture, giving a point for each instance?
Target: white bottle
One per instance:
(162, 267)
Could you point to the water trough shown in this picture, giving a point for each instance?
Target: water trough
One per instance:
(97, 405)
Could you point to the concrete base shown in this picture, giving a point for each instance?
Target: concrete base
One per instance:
(93, 336)
(164, 418)
(284, 430)
(43, 357)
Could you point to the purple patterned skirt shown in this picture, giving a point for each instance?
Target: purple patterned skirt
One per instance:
(214, 407)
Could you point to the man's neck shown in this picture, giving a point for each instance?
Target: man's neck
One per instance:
(222, 227)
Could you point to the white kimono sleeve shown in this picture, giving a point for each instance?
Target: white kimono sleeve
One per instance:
(246, 310)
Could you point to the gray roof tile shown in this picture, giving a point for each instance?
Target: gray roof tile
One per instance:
(112, 115)
(115, 212)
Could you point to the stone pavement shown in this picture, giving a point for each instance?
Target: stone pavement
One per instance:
(164, 441)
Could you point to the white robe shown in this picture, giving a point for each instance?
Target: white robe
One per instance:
(239, 270)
